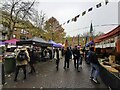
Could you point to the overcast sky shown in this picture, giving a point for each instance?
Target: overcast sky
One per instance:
(64, 10)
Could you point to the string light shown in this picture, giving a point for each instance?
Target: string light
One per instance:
(93, 26)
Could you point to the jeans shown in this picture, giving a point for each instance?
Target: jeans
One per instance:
(80, 62)
(94, 71)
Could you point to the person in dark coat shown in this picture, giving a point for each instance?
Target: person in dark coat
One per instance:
(67, 57)
(62, 51)
(58, 59)
(94, 65)
(32, 60)
(76, 54)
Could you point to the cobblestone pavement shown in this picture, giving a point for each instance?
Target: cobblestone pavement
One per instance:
(48, 77)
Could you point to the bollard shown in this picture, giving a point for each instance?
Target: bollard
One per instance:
(3, 74)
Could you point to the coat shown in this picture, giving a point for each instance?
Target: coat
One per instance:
(24, 62)
(67, 54)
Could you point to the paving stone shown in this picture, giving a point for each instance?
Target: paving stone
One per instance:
(49, 77)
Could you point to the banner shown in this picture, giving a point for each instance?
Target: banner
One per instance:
(91, 32)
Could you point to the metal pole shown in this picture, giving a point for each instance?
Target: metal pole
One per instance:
(52, 36)
(78, 39)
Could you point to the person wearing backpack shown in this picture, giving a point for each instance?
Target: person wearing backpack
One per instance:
(22, 59)
(94, 65)
(33, 59)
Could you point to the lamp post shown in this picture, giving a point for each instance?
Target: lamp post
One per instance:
(78, 39)
(3, 32)
(52, 35)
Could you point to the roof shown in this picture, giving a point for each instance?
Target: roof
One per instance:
(35, 41)
(113, 32)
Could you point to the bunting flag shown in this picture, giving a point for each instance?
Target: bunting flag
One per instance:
(106, 2)
(66, 44)
(91, 34)
(74, 19)
(77, 16)
(68, 21)
(63, 23)
(73, 41)
(90, 9)
(86, 38)
(83, 13)
(98, 5)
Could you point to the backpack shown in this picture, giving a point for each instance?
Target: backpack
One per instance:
(22, 56)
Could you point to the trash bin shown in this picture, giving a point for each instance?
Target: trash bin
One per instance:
(9, 64)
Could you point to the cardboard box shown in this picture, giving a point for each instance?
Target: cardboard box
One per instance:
(112, 59)
(1, 58)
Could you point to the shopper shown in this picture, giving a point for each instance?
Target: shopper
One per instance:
(76, 54)
(57, 58)
(94, 65)
(67, 57)
(32, 59)
(22, 59)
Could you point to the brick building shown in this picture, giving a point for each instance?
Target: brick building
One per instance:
(21, 34)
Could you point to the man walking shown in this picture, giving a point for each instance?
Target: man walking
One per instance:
(76, 54)
(33, 59)
(57, 58)
(67, 57)
(94, 65)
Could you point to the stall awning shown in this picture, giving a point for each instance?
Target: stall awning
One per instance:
(34, 41)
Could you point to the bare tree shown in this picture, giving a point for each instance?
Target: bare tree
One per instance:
(18, 11)
(39, 19)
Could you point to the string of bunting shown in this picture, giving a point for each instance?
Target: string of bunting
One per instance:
(84, 12)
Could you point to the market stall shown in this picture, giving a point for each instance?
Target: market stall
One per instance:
(109, 56)
(34, 41)
(41, 47)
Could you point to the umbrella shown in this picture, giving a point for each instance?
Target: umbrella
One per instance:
(2, 43)
(55, 44)
(12, 41)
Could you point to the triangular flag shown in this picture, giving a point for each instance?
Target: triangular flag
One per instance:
(86, 39)
(74, 19)
(83, 13)
(90, 9)
(106, 2)
(98, 5)
(78, 16)
(63, 23)
(68, 21)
